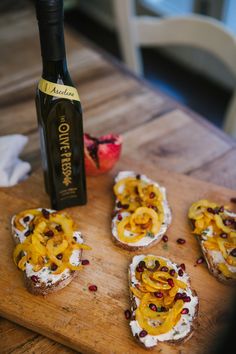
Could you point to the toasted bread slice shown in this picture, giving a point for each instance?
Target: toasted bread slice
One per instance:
(138, 195)
(45, 277)
(214, 226)
(164, 307)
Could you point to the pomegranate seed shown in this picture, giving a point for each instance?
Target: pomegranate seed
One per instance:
(178, 296)
(180, 272)
(233, 200)
(143, 333)
(27, 233)
(138, 176)
(49, 233)
(154, 208)
(182, 266)
(165, 238)
(223, 235)
(233, 252)
(152, 195)
(142, 264)
(221, 209)
(180, 241)
(170, 282)
(58, 228)
(85, 262)
(172, 272)
(139, 269)
(119, 205)
(26, 219)
(125, 206)
(127, 314)
(164, 269)
(93, 288)
(210, 210)
(45, 213)
(53, 267)
(186, 298)
(158, 294)
(153, 307)
(228, 222)
(59, 256)
(119, 217)
(35, 279)
(185, 311)
(200, 260)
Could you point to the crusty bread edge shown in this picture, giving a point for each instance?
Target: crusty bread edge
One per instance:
(44, 289)
(209, 261)
(194, 323)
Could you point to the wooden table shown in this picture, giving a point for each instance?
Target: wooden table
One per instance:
(153, 126)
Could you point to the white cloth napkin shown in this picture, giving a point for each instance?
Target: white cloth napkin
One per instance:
(12, 169)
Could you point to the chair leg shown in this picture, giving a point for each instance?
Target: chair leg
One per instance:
(230, 117)
(124, 14)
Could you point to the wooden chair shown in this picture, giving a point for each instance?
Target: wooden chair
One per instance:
(193, 30)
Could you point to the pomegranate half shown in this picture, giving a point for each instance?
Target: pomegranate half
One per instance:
(102, 153)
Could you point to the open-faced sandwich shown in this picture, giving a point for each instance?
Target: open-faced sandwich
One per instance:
(164, 308)
(142, 214)
(215, 227)
(48, 249)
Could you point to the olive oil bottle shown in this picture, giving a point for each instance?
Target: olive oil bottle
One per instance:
(59, 113)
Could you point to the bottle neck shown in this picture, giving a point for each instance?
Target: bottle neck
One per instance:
(54, 69)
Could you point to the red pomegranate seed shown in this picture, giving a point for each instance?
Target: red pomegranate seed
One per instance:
(228, 222)
(170, 282)
(172, 272)
(180, 272)
(200, 260)
(180, 241)
(35, 279)
(139, 269)
(221, 209)
(26, 219)
(178, 296)
(185, 311)
(85, 262)
(165, 238)
(182, 266)
(45, 213)
(54, 267)
(152, 195)
(143, 333)
(164, 269)
(58, 228)
(27, 233)
(127, 314)
(49, 233)
(119, 217)
(233, 200)
(158, 294)
(233, 252)
(223, 235)
(93, 288)
(186, 298)
(153, 307)
(210, 210)
(59, 256)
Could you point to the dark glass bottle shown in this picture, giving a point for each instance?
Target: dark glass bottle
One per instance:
(59, 114)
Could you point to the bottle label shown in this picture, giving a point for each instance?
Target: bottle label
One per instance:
(57, 90)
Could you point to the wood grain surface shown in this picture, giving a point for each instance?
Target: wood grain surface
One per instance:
(95, 322)
(113, 100)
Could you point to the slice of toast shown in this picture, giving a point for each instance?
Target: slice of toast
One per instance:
(47, 276)
(132, 200)
(164, 307)
(215, 228)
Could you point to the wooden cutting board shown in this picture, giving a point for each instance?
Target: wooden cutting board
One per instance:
(95, 322)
